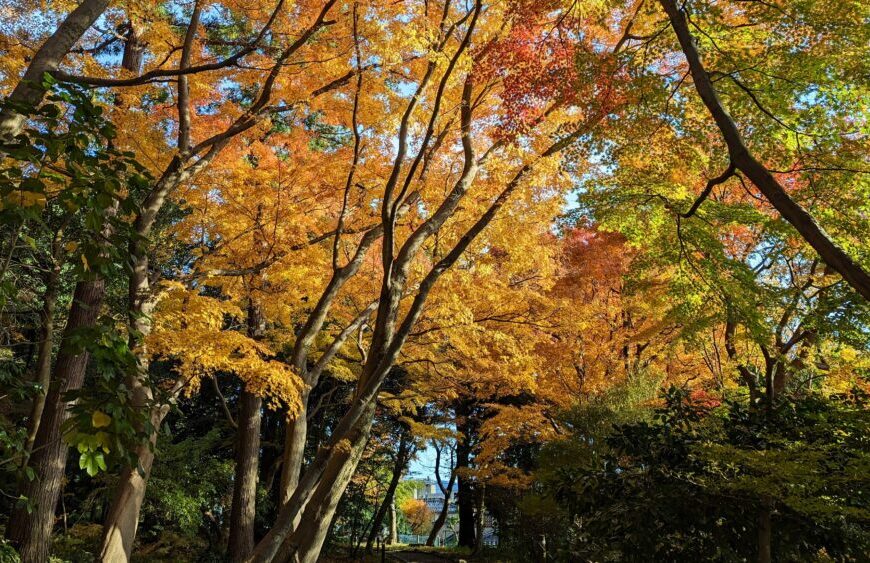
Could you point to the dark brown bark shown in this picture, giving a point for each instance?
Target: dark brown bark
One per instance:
(244, 507)
(134, 49)
(241, 540)
(30, 533)
(465, 495)
(47, 59)
(402, 457)
(743, 160)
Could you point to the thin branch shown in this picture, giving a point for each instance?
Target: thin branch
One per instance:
(713, 182)
(217, 390)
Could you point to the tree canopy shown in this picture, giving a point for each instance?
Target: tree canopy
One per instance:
(603, 262)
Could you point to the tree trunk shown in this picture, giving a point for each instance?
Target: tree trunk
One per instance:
(244, 507)
(764, 529)
(47, 59)
(294, 450)
(745, 374)
(741, 158)
(781, 376)
(31, 533)
(465, 504)
(398, 469)
(302, 523)
(306, 541)
(394, 524)
(122, 521)
(241, 541)
(134, 49)
(480, 519)
(442, 516)
(43, 360)
(465, 494)
(769, 372)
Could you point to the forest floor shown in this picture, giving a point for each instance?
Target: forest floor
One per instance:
(418, 554)
(418, 557)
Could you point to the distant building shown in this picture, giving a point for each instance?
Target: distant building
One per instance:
(430, 493)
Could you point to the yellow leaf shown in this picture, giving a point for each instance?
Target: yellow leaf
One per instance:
(100, 419)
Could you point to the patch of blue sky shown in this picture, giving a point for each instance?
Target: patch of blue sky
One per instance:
(422, 465)
(31, 24)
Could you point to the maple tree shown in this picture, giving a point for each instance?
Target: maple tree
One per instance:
(345, 228)
(418, 515)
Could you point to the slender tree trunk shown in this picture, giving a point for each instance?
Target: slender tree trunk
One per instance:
(294, 450)
(769, 369)
(442, 515)
(122, 520)
(30, 532)
(480, 519)
(398, 468)
(465, 494)
(244, 507)
(764, 530)
(134, 49)
(43, 360)
(394, 524)
(241, 541)
(741, 158)
(47, 59)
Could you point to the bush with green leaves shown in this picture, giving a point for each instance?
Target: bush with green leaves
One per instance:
(191, 487)
(691, 482)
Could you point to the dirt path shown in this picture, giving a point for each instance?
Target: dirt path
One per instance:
(418, 557)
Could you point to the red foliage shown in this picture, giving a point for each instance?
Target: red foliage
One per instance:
(592, 254)
(704, 400)
(544, 61)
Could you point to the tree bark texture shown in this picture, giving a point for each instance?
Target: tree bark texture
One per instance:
(31, 533)
(244, 507)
